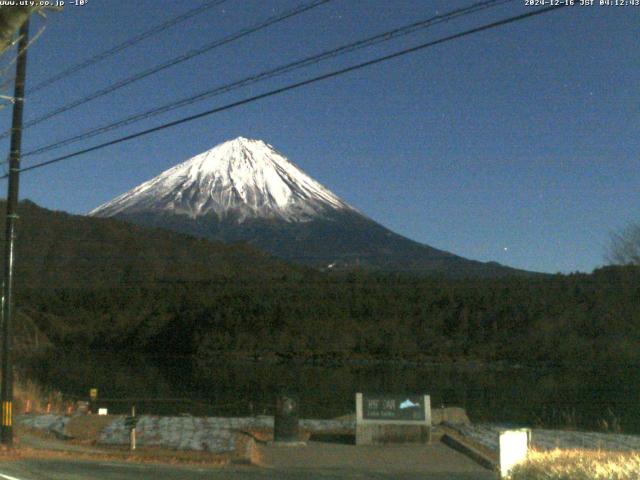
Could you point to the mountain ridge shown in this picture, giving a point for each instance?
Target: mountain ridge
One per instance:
(242, 177)
(244, 190)
(59, 250)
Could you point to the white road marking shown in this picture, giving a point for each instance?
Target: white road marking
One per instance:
(8, 477)
(124, 465)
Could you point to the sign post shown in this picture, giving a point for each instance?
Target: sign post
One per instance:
(93, 396)
(130, 423)
(392, 418)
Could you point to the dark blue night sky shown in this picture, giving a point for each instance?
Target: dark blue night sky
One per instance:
(520, 144)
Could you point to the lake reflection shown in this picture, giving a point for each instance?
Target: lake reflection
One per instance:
(586, 398)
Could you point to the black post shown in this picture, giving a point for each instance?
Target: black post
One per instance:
(6, 390)
(286, 419)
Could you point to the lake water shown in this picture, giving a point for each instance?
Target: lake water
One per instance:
(581, 398)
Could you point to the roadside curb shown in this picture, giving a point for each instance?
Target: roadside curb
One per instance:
(471, 449)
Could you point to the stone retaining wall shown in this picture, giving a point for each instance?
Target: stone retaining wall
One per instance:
(56, 424)
(219, 434)
(213, 434)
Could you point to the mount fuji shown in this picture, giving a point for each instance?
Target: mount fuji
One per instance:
(244, 190)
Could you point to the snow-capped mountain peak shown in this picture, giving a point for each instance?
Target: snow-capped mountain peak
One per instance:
(238, 179)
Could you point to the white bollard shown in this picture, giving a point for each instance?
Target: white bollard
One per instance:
(132, 433)
(514, 446)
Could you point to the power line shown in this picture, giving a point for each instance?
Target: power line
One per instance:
(124, 45)
(293, 86)
(289, 67)
(175, 61)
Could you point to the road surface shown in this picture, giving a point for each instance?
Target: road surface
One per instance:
(316, 461)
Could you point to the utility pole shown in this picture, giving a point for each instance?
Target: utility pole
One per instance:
(6, 389)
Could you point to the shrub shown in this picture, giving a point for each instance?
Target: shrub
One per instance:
(578, 465)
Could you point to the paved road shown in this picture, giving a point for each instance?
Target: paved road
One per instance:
(340, 461)
(84, 470)
(313, 462)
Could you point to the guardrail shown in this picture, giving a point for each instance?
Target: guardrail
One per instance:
(177, 405)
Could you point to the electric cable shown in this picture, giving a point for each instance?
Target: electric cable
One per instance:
(289, 67)
(173, 62)
(124, 45)
(296, 85)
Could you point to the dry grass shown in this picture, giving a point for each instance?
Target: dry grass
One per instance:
(29, 397)
(142, 455)
(578, 465)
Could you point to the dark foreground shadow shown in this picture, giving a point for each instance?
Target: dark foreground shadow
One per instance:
(339, 438)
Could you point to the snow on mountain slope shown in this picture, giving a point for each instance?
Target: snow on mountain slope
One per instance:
(239, 179)
(245, 191)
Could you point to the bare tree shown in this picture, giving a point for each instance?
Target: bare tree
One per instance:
(624, 247)
(11, 19)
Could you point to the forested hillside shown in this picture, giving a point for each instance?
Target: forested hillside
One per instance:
(105, 285)
(559, 320)
(56, 249)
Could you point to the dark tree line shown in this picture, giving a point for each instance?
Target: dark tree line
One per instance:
(557, 319)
